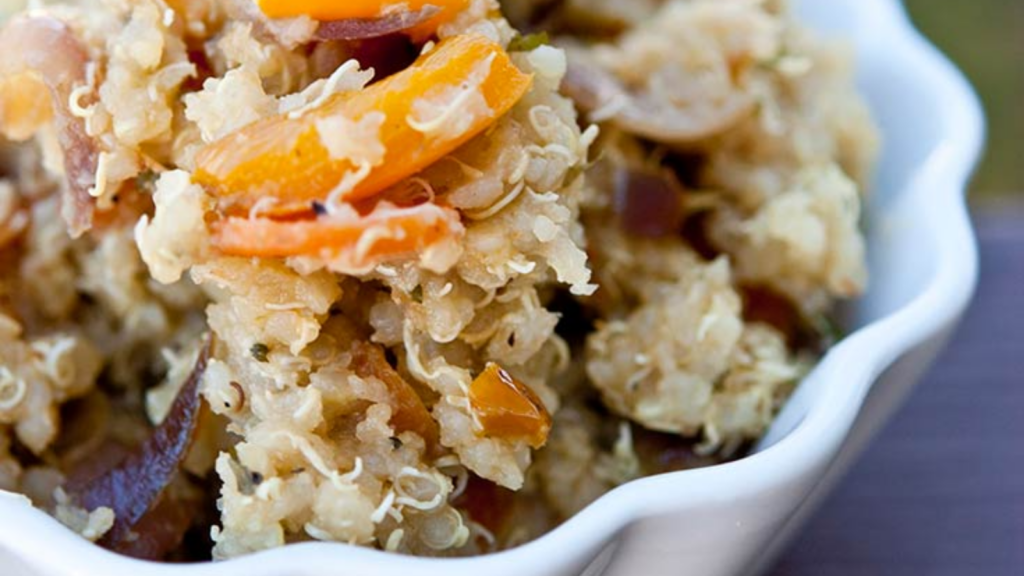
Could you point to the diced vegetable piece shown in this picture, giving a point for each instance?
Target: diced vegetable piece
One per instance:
(328, 10)
(387, 55)
(529, 42)
(592, 88)
(404, 123)
(765, 305)
(40, 54)
(648, 204)
(661, 452)
(409, 414)
(507, 408)
(130, 203)
(488, 504)
(363, 28)
(347, 238)
(147, 524)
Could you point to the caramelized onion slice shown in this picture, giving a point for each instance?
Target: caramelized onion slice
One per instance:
(597, 90)
(46, 48)
(408, 413)
(648, 204)
(487, 504)
(363, 28)
(147, 523)
(661, 452)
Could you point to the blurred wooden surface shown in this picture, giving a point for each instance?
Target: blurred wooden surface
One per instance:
(941, 490)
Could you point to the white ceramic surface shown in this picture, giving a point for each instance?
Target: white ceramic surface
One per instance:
(730, 519)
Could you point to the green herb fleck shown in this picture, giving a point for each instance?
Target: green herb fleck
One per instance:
(828, 329)
(259, 351)
(529, 42)
(417, 294)
(772, 62)
(146, 180)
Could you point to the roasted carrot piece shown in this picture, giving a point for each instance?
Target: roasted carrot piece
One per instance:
(370, 14)
(507, 408)
(350, 9)
(346, 238)
(379, 135)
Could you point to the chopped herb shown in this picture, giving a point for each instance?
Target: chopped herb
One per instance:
(259, 351)
(828, 329)
(417, 294)
(529, 42)
(772, 62)
(146, 180)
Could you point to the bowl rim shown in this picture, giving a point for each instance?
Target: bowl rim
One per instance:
(858, 360)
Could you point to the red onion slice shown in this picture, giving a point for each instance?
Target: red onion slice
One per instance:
(488, 504)
(595, 89)
(147, 524)
(648, 204)
(363, 28)
(48, 48)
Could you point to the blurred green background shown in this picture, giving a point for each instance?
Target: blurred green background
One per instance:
(986, 38)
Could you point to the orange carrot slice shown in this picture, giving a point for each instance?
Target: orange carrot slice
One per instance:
(334, 10)
(348, 9)
(347, 239)
(379, 135)
(507, 408)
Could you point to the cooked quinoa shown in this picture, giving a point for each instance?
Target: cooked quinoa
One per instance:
(412, 275)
